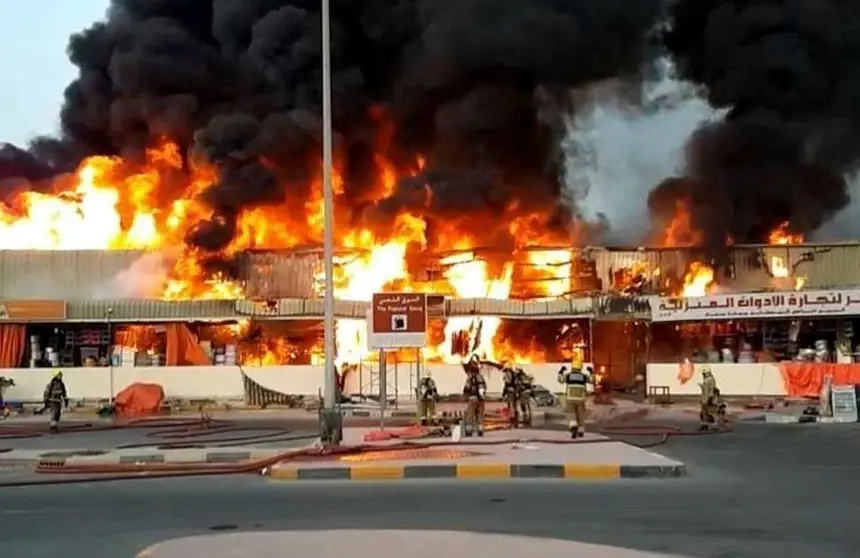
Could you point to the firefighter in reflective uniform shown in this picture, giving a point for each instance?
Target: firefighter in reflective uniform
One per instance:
(720, 404)
(55, 398)
(509, 392)
(428, 395)
(575, 381)
(475, 391)
(525, 384)
(708, 400)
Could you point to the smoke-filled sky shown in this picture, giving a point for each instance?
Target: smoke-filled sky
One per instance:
(35, 67)
(485, 90)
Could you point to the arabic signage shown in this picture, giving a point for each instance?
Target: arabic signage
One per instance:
(807, 304)
(397, 321)
(32, 310)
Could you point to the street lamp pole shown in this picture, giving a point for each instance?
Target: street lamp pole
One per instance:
(331, 424)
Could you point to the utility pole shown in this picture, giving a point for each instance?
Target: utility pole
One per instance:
(331, 422)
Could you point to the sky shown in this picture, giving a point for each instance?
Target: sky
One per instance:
(34, 67)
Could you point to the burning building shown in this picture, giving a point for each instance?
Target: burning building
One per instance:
(185, 183)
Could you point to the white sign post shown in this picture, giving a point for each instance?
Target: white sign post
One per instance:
(395, 321)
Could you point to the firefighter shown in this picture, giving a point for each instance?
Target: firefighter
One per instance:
(720, 404)
(575, 382)
(55, 398)
(475, 391)
(525, 384)
(428, 395)
(708, 400)
(510, 393)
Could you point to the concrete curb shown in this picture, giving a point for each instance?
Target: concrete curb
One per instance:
(365, 413)
(484, 471)
(800, 419)
(60, 458)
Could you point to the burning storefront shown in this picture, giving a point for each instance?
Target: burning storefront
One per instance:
(187, 161)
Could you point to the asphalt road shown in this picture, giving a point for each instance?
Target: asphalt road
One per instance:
(259, 431)
(762, 491)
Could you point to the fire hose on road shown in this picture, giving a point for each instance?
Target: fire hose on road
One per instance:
(189, 429)
(172, 433)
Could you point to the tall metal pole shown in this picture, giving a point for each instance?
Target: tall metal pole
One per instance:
(109, 321)
(331, 426)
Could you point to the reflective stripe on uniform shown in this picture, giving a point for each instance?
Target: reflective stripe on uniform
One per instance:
(575, 392)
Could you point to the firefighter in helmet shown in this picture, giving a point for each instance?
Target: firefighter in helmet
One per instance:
(55, 398)
(575, 382)
(510, 392)
(428, 395)
(524, 383)
(708, 402)
(475, 392)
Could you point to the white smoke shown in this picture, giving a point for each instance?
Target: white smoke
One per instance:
(616, 151)
(845, 225)
(142, 279)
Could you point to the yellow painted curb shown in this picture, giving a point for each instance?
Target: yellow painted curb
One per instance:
(481, 471)
(377, 472)
(282, 473)
(579, 471)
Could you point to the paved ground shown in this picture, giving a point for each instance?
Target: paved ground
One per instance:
(366, 543)
(764, 491)
(521, 453)
(262, 429)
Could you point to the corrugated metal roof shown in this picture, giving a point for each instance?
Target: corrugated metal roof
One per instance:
(64, 274)
(275, 275)
(822, 266)
(609, 263)
(150, 310)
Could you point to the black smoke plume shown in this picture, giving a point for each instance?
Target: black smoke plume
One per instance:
(788, 73)
(466, 84)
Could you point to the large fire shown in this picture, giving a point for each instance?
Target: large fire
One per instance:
(110, 204)
(699, 279)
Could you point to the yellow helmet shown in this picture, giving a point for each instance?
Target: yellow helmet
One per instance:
(576, 360)
(59, 375)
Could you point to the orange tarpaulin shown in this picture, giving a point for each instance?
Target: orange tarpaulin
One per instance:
(12, 339)
(139, 399)
(183, 348)
(685, 372)
(804, 379)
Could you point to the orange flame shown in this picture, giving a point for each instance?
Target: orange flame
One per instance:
(110, 203)
(779, 270)
(698, 279)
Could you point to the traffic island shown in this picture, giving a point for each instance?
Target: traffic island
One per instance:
(379, 542)
(504, 454)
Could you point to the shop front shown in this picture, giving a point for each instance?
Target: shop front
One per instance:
(756, 344)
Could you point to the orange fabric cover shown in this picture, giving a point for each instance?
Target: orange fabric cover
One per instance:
(183, 348)
(12, 340)
(139, 399)
(804, 379)
(685, 372)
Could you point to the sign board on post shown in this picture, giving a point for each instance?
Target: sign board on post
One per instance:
(844, 402)
(805, 304)
(397, 321)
